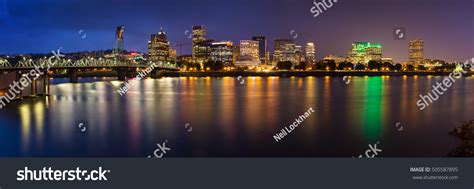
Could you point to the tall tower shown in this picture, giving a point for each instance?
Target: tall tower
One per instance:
(250, 48)
(159, 47)
(284, 50)
(310, 53)
(199, 38)
(298, 54)
(416, 54)
(262, 47)
(267, 58)
(119, 46)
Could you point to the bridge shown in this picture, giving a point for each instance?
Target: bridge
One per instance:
(123, 68)
(40, 86)
(82, 63)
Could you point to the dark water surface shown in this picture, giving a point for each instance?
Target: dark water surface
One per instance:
(229, 119)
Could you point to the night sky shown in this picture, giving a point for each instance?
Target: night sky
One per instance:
(39, 26)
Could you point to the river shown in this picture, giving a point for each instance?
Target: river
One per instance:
(237, 117)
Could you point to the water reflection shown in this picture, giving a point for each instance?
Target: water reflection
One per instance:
(233, 119)
(32, 125)
(373, 107)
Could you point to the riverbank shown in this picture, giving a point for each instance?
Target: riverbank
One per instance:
(465, 133)
(267, 74)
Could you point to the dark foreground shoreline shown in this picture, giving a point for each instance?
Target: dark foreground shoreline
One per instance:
(268, 74)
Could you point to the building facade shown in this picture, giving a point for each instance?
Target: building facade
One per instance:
(222, 51)
(159, 47)
(173, 54)
(267, 58)
(299, 54)
(262, 48)
(336, 59)
(250, 48)
(284, 51)
(199, 49)
(387, 59)
(310, 53)
(363, 52)
(373, 53)
(416, 53)
(235, 54)
(203, 51)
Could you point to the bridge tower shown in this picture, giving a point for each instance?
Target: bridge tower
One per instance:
(119, 46)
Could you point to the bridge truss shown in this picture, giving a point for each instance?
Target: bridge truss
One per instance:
(82, 63)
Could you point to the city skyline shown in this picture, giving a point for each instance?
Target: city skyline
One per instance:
(159, 48)
(332, 38)
(83, 78)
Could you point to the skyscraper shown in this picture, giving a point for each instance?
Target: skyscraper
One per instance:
(262, 47)
(199, 39)
(363, 52)
(299, 54)
(159, 47)
(416, 54)
(222, 51)
(267, 58)
(235, 54)
(248, 54)
(373, 53)
(250, 48)
(284, 51)
(310, 53)
(202, 51)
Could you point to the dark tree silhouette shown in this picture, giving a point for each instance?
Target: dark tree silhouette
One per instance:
(286, 65)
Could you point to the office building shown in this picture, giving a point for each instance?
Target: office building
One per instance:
(250, 48)
(310, 53)
(235, 54)
(188, 59)
(262, 48)
(202, 51)
(284, 51)
(199, 40)
(173, 54)
(299, 55)
(222, 51)
(430, 63)
(248, 54)
(363, 52)
(158, 47)
(199, 34)
(416, 54)
(267, 58)
(373, 53)
(336, 59)
(387, 59)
